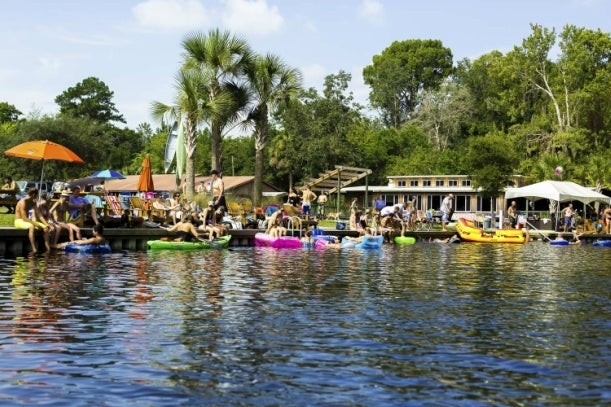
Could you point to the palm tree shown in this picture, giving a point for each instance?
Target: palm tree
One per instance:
(271, 83)
(188, 110)
(222, 57)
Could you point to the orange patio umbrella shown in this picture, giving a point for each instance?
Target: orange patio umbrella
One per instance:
(145, 182)
(43, 150)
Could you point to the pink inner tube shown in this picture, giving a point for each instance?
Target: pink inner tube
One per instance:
(283, 242)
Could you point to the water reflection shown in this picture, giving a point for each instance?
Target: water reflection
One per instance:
(430, 323)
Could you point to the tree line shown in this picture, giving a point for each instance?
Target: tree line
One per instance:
(542, 105)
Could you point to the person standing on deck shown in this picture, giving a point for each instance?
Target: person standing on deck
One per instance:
(446, 209)
(306, 204)
(218, 190)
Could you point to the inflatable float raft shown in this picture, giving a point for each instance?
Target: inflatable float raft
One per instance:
(602, 243)
(86, 248)
(468, 232)
(368, 242)
(218, 243)
(282, 242)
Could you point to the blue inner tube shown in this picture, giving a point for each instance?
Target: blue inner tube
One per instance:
(559, 242)
(602, 243)
(87, 248)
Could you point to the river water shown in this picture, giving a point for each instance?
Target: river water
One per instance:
(433, 324)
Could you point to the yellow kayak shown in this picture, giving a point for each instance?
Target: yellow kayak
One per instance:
(468, 232)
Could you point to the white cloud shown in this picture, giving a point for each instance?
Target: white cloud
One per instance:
(171, 14)
(372, 11)
(252, 17)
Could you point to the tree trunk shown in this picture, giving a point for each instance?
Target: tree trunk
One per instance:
(215, 147)
(190, 177)
(258, 186)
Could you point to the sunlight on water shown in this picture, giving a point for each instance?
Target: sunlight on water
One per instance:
(461, 324)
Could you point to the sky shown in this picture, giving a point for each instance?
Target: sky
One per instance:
(134, 47)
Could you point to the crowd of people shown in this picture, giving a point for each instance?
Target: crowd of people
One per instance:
(189, 222)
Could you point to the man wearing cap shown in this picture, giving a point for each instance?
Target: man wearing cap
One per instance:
(58, 213)
(446, 210)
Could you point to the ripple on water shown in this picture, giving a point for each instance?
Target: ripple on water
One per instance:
(460, 324)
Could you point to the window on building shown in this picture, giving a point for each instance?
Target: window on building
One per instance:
(434, 202)
(462, 203)
(486, 204)
(390, 199)
(439, 183)
(413, 183)
(452, 183)
(426, 183)
(466, 182)
(401, 183)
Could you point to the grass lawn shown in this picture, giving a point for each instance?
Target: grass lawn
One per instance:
(6, 219)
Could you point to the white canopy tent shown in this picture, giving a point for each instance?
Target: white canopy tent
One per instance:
(556, 192)
(559, 191)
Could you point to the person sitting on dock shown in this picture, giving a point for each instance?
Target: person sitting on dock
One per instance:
(80, 206)
(274, 225)
(58, 212)
(37, 222)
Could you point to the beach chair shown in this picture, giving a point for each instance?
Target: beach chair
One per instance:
(97, 203)
(138, 207)
(161, 216)
(426, 222)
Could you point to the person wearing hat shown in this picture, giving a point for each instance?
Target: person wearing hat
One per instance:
(58, 213)
(218, 190)
(446, 211)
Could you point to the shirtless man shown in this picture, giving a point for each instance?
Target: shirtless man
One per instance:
(185, 230)
(567, 214)
(23, 221)
(607, 220)
(512, 214)
(306, 204)
(58, 214)
(98, 237)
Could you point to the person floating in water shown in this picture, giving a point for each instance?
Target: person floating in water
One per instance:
(98, 237)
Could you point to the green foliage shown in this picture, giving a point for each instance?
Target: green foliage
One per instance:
(525, 112)
(91, 99)
(87, 138)
(8, 113)
(401, 73)
(491, 159)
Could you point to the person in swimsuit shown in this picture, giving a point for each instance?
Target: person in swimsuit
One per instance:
(607, 220)
(58, 214)
(98, 237)
(36, 222)
(185, 230)
(218, 190)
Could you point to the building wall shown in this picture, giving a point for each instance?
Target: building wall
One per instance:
(429, 191)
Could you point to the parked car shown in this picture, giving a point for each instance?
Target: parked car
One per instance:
(24, 186)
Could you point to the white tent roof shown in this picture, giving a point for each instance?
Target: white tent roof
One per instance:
(560, 191)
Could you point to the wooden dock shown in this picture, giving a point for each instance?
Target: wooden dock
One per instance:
(14, 242)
